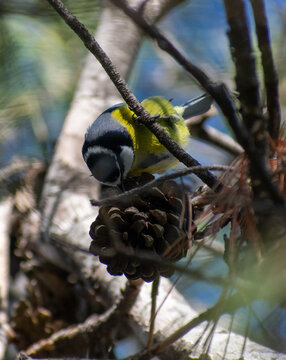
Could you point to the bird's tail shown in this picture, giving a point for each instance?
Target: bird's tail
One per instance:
(196, 106)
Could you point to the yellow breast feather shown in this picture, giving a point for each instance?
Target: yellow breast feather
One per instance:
(150, 155)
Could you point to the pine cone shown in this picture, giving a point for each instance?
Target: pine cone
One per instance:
(130, 237)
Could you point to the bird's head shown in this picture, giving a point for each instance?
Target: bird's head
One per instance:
(109, 166)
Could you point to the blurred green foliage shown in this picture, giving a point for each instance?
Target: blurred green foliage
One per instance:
(40, 61)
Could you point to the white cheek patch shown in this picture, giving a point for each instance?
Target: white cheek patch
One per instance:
(127, 158)
(98, 150)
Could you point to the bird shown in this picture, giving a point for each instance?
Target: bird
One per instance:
(117, 146)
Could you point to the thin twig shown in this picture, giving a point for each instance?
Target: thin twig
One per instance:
(156, 182)
(218, 91)
(217, 138)
(228, 337)
(208, 342)
(201, 336)
(225, 304)
(157, 260)
(198, 128)
(174, 284)
(246, 333)
(230, 305)
(270, 74)
(220, 139)
(217, 313)
(154, 295)
(267, 333)
(220, 94)
(91, 44)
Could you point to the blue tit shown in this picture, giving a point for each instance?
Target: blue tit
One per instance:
(117, 146)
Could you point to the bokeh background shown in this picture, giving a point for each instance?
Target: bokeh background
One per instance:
(40, 63)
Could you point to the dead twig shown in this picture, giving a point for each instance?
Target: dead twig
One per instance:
(215, 247)
(230, 303)
(199, 129)
(195, 169)
(154, 294)
(220, 139)
(246, 76)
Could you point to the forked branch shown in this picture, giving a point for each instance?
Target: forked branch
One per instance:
(220, 94)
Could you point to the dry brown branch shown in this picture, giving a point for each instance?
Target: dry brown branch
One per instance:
(155, 182)
(249, 91)
(198, 128)
(246, 74)
(223, 98)
(270, 74)
(220, 139)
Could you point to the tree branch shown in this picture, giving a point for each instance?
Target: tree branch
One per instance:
(218, 91)
(270, 74)
(180, 173)
(220, 139)
(249, 94)
(220, 94)
(224, 306)
(246, 77)
(91, 44)
(212, 135)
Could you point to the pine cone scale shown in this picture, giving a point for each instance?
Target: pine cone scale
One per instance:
(143, 236)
